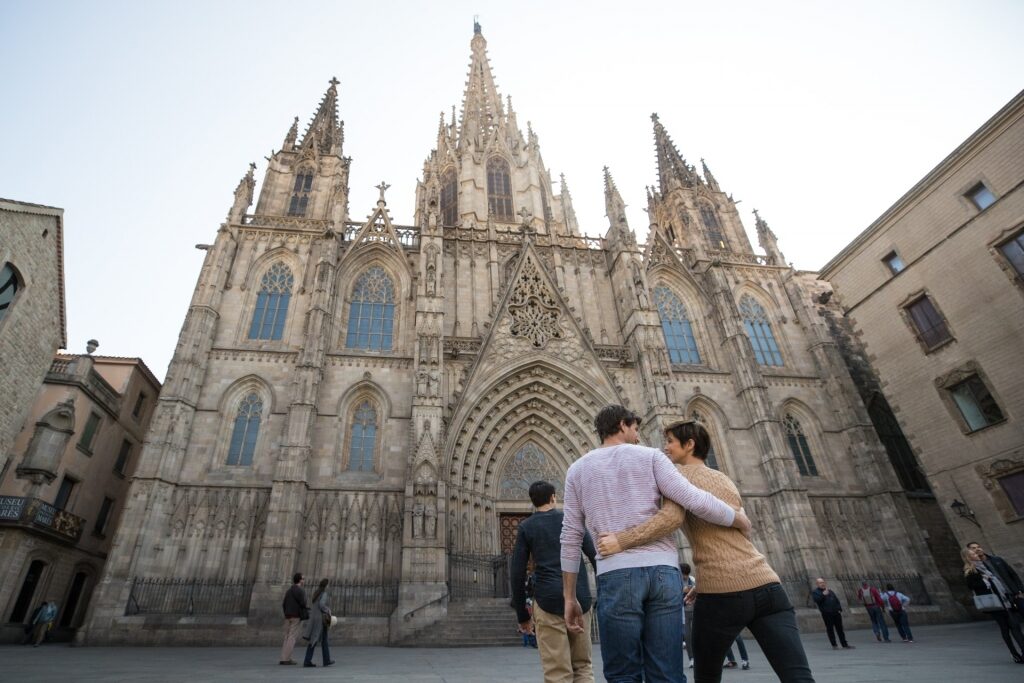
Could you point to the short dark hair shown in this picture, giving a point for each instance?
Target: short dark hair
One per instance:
(541, 492)
(685, 568)
(889, 587)
(685, 430)
(970, 543)
(297, 577)
(610, 418)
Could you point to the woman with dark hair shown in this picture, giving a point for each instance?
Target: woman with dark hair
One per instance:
(320, 620)
(993, 597)
(736, 588)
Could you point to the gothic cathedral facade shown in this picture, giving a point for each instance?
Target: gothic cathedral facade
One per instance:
(368, 402)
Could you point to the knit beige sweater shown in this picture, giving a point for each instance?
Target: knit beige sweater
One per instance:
(725, 561)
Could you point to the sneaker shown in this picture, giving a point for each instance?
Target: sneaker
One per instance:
(691, 664)
(745, 666)
(729, 665)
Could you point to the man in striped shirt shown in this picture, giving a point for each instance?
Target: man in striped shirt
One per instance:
(640, 597)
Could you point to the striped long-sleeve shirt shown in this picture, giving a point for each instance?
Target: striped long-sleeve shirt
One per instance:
(617, 487)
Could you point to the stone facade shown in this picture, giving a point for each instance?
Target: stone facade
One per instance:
(32, 324)
(367, 402)
(912, 285)
(62, 499)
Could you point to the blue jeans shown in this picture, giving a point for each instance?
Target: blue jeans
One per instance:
(743, 651)
(638, 613)
(325, 650)
(902, 624)
(878, 622)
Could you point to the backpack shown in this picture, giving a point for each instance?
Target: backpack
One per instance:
(895, 604)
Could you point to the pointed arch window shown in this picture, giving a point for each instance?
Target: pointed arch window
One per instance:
(675, 323)
(712, 459)
(713, 227)
(499, 189)
(798, 446)
(372, 313)
(759, 330)
(363, 439)
(449, 198)
(300, 193)
(246, 430)
(8, 288)
(272, 303)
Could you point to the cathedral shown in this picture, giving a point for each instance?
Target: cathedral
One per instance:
(369, 402)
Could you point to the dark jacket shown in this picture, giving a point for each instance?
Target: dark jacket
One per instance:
(828, 604)
(293, 600)
(1004, 571)
(538, 536)
(977, 584)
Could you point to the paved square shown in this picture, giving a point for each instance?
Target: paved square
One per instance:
(958, 652)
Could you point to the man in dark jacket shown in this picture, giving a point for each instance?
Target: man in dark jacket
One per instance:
(1004, 572)
(831, 613)
(295, 610)
(564, 656)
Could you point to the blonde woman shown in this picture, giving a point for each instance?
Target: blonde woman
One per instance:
(992, 596)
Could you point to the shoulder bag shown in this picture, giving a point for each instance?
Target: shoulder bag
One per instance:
(988, 602)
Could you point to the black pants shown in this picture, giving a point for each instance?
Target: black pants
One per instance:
(719, 617)
(833, 625)
(1009, 625)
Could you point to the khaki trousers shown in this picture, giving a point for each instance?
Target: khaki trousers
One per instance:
(291, 632)
(565, 657)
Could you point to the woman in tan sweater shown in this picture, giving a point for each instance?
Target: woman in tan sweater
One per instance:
(737, 588)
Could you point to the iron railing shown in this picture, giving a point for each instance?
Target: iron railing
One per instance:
(911, 585)
(478, 576)
(188, 597)
(361, 599)
(38, 514)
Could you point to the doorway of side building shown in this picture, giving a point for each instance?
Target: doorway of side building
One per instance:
(32, 580)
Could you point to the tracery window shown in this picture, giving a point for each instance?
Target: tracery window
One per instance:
(675, 323)
(714, 229)
(759, 331)
(449, 198)
(363, 440)
(8, 288)
(372, 313)
(499, 189)
(300, 193)
(529, 464)
(272, 303)
(246, 430)
(712, 459)
(798, 446)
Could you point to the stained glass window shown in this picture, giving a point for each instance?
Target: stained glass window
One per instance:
(798, 446)
(272, 303)
(372, 314)
(529, 464)
(364, 438)
(675, 323)
(713, 227)
(247, 428)
(759, 330)
(499, 189)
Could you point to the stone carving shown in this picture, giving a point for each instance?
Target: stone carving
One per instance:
(534, 310)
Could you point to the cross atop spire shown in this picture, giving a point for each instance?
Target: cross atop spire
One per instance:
(672, 167)
(324, 133)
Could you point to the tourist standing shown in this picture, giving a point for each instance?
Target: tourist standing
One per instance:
(43, 622)
(295, 611)
(872, 601)
(564, 655)
(317, 626)
(1002, 569)
(615, 486)
(831, 609)
(744, 659)
(993, 597)
(897, 603)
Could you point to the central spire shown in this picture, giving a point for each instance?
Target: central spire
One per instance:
(482, 110)
(324, 131)
(672, 167)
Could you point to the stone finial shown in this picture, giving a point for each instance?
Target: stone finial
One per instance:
(383, 186)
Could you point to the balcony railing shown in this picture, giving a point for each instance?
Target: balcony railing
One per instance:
(36, 514)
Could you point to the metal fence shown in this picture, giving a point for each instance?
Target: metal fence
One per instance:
(478, 576)
(911, 585)
(361, 599)
(188, 596)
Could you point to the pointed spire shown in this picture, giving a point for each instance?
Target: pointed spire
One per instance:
(292, 136)
(768, 241)
(568, 211)
(672, 167)
(481, 105)
(324, 132)
(614, 207)
(243, 195)
(708, 178)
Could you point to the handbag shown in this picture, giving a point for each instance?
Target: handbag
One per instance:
(326, 618)
(988, 602)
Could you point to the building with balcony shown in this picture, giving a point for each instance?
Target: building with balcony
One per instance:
(935, 291)
(62, 493)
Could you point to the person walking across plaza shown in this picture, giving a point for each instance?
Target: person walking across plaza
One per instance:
(295, 611)
(565, 656)
(615, 486)
(897, 603)
(43, 622)
(317, 625)
(872, 600)
(994, 598)
(1004, 571)
(731, 658)
(736, 587)
(831, 609)
(688, 585)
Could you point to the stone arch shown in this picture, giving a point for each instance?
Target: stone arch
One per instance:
(773, 312)
(227, 408)
(531, 458)
(365, 391)
(717, 424)
(73, 615)
(251, 285)
(698, 307)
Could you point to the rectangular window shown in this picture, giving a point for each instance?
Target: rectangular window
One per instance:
(67, 485)
(894, 262)
(981, 196)
(137, 410)
(1013, 487)
(1013, 251)
(89, 433)
(976, 404)
(930, 326)
(103, 517)
(122, 457)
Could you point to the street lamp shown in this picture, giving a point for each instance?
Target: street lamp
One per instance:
(964, 511)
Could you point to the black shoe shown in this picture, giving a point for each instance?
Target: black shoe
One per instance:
(745, 666)
(309, 665)
(729, 665)
(329, 663)
(849, 647)
(283, 662)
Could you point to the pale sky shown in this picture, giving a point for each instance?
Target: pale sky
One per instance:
(139, 118)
